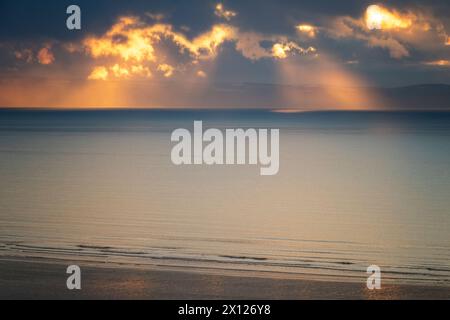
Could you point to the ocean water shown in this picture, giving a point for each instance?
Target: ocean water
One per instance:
(354, 189)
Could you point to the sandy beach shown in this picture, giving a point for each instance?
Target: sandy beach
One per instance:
(47, 280)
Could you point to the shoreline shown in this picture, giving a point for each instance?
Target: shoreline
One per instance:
(32, 279)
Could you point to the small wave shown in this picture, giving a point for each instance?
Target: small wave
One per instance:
(243, 258)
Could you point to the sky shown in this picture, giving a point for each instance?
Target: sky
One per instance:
(233, 53)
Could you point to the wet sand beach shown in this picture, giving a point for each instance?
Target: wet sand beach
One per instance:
(47, 280)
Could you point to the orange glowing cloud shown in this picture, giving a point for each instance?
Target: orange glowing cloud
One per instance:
(307, 30)
(249, 45)
(394, 30)
(134, 47)
(378, 17)
(166, 69)
(132, 40)
(282, 50)
(119, 72)
(221, 12)
(123, 41)
(206, 45)
(201, 74)
(99, 73)
(45, 56)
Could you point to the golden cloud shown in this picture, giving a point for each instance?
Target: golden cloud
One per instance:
(206, 45)
(391, 29)
(140, 70)
(378, 17)
(282, 50)
(124, 40)
(249, 44)
(221, 12)
(308, 30)
(45, 56)
(166, 69)
(99, 73)
(201, 74)
(134, 45)
(119, 72)
(134, 48)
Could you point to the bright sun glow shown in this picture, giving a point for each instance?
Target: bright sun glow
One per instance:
(380, 18)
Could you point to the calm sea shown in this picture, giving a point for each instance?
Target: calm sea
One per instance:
(354, 189)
